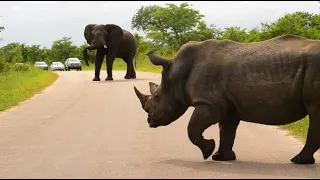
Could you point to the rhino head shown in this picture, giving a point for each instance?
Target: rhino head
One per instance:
(163, 105)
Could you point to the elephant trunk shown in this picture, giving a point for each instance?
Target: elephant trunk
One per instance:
(85, 53)
(98, 43)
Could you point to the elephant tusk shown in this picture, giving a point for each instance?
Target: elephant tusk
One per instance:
(105, 46)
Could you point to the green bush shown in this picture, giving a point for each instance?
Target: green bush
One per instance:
(21, 67)
(4, 66)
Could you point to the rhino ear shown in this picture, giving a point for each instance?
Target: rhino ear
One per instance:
(157, 60)
(153, 87)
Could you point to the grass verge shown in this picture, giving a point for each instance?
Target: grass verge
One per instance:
(17, 86)
(298, 129)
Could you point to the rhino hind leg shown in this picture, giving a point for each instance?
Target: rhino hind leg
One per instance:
(313, 138)
(203, 117)
(227, 136)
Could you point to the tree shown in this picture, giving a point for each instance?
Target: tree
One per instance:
(63, 49)
(235, 34)
(34, 53)
(254, 35)
(299, 23)
(143, 18)
(142, 46)
(172, 25)
(45, 55)
(12, 53)
(24, 52)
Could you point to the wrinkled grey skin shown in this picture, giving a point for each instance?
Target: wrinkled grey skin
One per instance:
(112, 41)
(274, 82)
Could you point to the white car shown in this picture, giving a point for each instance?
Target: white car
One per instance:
(41, 64)
(73, 63)
(57, 66)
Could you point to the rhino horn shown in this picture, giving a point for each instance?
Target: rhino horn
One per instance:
(143, 98)
(153, 87)
(157, 60)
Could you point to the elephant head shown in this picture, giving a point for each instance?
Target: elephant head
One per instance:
(101, 36)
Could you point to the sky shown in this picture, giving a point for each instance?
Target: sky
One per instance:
(42, 22)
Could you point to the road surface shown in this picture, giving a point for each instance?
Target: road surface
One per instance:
(77, 128)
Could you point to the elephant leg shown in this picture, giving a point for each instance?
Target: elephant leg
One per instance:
(99, 58)
(130, 71)
(127, 76)
(313, 138)
(110, 59)
(228, 130)
(133, 72)
(203, 117)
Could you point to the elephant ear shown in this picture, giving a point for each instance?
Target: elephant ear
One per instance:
(88, 33)
(114, 35)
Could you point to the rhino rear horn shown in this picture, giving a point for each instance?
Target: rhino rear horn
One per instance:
(153, 87)
(157, 60)
(143, 98)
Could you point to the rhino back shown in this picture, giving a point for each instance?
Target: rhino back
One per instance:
(263, 81)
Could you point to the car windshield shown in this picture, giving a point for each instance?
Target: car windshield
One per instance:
(74, 60)
(57, 63)
(40, 63)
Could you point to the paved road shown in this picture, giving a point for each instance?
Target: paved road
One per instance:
(77, 128)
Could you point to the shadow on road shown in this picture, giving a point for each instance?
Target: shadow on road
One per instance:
(247, 167)
(125, 80)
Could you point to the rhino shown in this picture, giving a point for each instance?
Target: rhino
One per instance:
(271, 82)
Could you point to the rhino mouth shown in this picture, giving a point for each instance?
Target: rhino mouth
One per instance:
(152, 123)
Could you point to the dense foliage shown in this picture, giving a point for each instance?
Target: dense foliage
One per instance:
(167, 29)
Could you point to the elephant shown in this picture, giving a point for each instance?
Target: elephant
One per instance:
(114, 42)
(271, 82)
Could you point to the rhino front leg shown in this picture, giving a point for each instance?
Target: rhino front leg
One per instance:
(228, 130)
(313, 138)
(202, 118)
